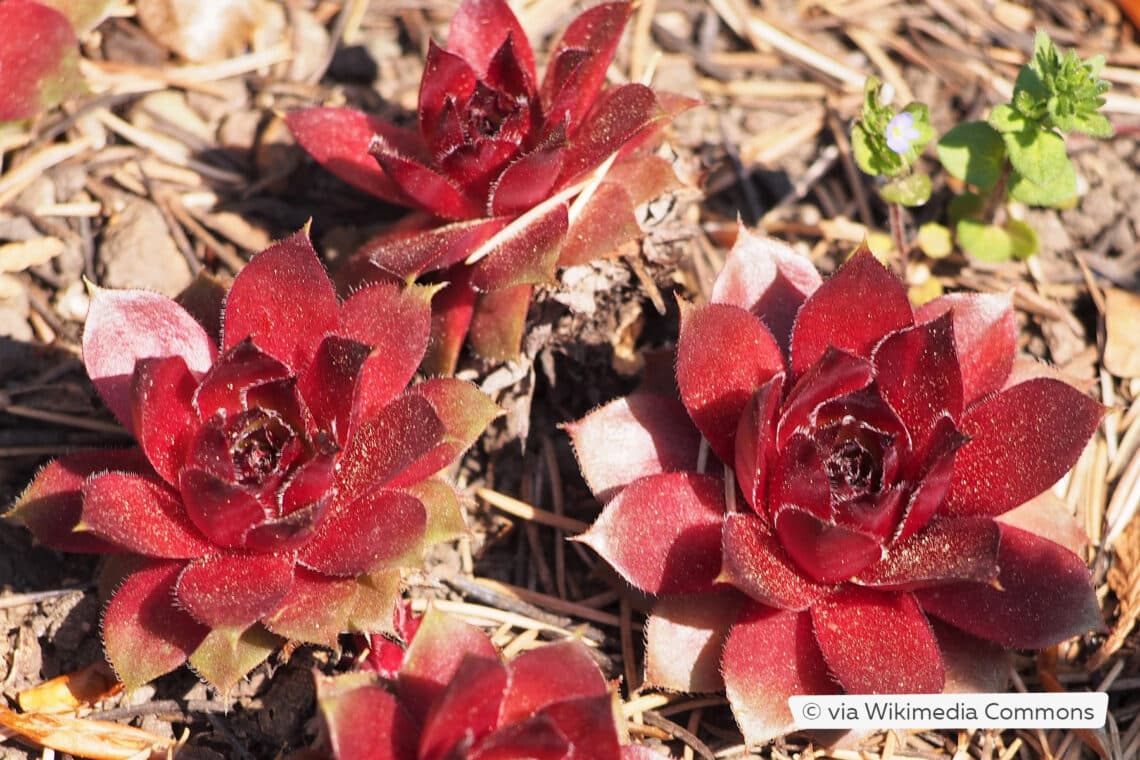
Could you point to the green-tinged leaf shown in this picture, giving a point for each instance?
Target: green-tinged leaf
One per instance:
(376, 596)
(1023, 239)
(1060, 91)
(1093, 124)
(984, 242)
(872, 154)
(912, 190)
(1005, 118)
(316, 610)
(1060, 192)
(965, 206)
(1037, 154)
(973, 152)
(444, 515)
(226, 655)
(39, 60)
(934, 240)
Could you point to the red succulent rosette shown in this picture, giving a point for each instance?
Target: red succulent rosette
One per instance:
(284, 476)
(859, 534)
(515, 176)
(451, 697)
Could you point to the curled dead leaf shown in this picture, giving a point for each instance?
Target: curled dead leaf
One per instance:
(70, 691)
(93, 739)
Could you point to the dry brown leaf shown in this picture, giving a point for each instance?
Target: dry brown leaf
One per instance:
(1122, 325)
(16, 257)
(70, 691)
(1124, 580)
(93, 739)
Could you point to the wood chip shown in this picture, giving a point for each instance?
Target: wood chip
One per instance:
(1122, 328)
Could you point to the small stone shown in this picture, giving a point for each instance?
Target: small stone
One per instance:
(138, 252)
(14, 310)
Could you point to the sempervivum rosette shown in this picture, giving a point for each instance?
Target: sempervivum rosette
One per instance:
(851, 527)
(284, 475)
(504, 167)
(451, 696)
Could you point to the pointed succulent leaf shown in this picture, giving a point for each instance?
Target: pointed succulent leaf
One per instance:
(827, 552)
(406, 254)
(662, 532)
(615, 119)
(497, 322)
(480, 27)
(639, 435)
(376, 597)
(685, 635)
(1021, 441)
(549, 674)
(606, 223)
(162, 393)
(125, 326)
(852, 311)
(316, 610)
(365, 721)
(451, 314)
(580, 59)
(946, 550)
(1047, 516)
(527, 181)
(338, 138)
(140, 514)
(444, 514)
(971, 665)
(724, 355)
(754, 448)
(226, 655)
(234, 590)
(433, 657)
(985, 335)
(756, 563)
(51, 507)
(467, 710)
(878, 643)
(263, 303)
(423, 185)
(1043, 596)
(525, 252)
(771, 655)
(380, 529)
(766, 277)
(145, 632)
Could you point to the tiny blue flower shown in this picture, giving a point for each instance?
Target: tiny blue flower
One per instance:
(901, 132)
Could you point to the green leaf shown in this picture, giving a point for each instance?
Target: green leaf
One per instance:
(1007, 119)
(1059, 192)
(1037, 154)
(864, 151)
(911, 190)
(1023, 239)
(973, 152)
(1094, 124)
(984, 242)
(934, 240)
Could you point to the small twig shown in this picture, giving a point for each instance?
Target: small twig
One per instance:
(526, 512)
(487, 595)
(9, 601)
(658, 721)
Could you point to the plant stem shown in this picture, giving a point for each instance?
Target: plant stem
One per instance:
(899, 236)
(995, 201)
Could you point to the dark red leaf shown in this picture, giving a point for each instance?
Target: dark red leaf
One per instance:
(755, 563)
(1044, 596)
(606, 223)
(579, 61)
(525, 252)
(424, 186)
(527, 181)
(1021, 441)
(480, 27)
(408, 254)
(316, 610)
(724, 355)
(917, 373)
(878, 643)
(164, 415)
(141, 514)
(946, 550)
(497, 322)
(364, 721)
(755, 444)
(852, 311)
(338, 138)
(381, 529)
(145, 632)
(985, 332)
(263, 303)
(827, 552)
(549, 674)
(466, 711)
(771, 655)
(234, 590)
(434, 655)
(39, 55)
(451, 313)
(239, 369)
(222, 510)
(615, 119)
(446, 82)
(835, 374)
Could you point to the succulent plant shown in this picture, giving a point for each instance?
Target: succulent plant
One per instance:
(514, 176)
(39, 59)
(284, 474)
(868, 513)
(451, 697)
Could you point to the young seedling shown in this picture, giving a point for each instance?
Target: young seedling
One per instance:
(1017, 154)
